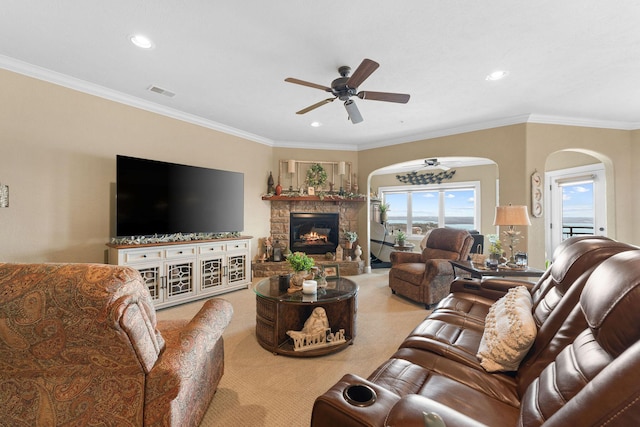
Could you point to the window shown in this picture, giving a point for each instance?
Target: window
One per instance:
(417, 209)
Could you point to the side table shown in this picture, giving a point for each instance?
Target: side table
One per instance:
(407, 247)
(479, 273)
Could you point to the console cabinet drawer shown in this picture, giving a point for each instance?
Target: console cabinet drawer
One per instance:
(218, 248)
(134, 257)
(180, 251)
(237, 246)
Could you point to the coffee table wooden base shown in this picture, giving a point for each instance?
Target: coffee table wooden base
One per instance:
(275, 317)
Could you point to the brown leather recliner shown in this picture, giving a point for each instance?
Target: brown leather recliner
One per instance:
(425, 277)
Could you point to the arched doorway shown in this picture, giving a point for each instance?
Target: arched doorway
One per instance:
(465, 197)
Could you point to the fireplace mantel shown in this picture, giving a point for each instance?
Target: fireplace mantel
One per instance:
(326, 198)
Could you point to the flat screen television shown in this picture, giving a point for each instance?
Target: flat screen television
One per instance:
(155, 197)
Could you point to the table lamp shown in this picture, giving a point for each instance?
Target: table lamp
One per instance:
(511, 216)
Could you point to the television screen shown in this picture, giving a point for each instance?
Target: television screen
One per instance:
(155, 197)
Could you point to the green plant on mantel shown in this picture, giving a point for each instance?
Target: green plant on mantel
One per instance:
(300, 261)
(351, 236)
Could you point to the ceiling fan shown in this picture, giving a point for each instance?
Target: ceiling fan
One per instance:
(344, 87)
(433, 164)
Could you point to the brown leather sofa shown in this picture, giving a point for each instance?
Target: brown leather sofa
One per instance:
(425, 277)
(581, 368)
(80, 345)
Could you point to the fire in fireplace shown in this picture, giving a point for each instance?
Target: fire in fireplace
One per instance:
(313, 233)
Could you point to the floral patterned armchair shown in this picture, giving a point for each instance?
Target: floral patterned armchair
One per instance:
(80, 345)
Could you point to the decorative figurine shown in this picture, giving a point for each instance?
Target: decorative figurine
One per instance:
(270, 188)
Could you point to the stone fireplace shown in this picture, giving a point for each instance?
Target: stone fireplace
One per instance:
(284, 213)
(345, 212)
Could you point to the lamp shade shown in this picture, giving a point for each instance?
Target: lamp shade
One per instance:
(511, 215)
(291, 166)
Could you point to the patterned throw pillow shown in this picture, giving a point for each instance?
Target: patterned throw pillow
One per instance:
(509, 332)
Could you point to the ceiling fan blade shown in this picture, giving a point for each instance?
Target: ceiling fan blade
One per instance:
(314, 106)
(361, 73)
(401, 98)
(303, 83)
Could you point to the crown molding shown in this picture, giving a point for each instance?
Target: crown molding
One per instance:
(506, 121)
(456, 130)
(83, 86)
(73, 83)
(574, 121)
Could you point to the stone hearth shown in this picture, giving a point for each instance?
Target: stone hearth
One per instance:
(267, 269)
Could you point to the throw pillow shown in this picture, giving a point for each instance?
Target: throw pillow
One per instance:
(509, 332)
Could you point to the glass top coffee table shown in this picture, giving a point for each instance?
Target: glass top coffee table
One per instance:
(278, 311)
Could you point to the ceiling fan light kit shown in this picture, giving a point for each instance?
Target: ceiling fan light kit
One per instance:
(352, 110)
(344, 87)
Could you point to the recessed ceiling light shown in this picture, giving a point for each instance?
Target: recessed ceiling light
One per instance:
(497, 75)
(316, 124)
(143, 42)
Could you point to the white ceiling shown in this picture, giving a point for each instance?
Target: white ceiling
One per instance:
(571, 61)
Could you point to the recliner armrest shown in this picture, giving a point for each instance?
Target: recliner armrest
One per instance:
(332, 408)
(398, 257)
(492, 288)
(410, 410)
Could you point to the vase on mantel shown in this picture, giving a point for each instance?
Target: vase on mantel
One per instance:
(357, 252)
(278, 187)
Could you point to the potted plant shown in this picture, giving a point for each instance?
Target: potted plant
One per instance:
(401, 238)
(301, 263)
(384, 209)
(351, 237)
(495, 250)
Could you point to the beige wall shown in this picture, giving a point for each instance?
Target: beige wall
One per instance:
(58, 148)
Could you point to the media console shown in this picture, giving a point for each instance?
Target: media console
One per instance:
(180, 272)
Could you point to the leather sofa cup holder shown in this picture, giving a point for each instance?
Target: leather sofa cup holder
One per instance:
(360, 395)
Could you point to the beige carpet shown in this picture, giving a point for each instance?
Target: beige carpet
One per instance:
(260, 389)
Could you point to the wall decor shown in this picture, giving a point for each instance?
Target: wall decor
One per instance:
(316, 175)
(4, 196)
(414, 178)
(330, 173)
(536, 194)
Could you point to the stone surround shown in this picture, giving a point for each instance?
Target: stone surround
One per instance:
(347, 210)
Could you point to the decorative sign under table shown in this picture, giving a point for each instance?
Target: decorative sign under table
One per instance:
(305, 325)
